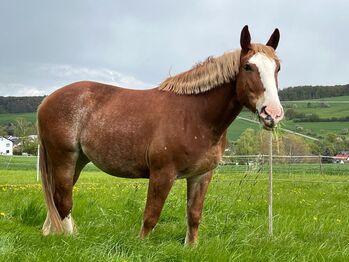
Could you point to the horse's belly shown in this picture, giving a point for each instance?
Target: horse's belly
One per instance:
(205, 163)
(122, 169)
(115, 160)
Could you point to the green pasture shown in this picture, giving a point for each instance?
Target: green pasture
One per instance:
(335, 98)
(11, 118)
(337, 107)
(318, 128)
(311, 217)
(334, 109)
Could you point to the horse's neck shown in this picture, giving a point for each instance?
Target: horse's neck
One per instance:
(220, 107)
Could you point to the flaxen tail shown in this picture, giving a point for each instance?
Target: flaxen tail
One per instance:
(53, 223)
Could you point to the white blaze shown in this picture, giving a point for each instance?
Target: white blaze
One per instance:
(266, 68)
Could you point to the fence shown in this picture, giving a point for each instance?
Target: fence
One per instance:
(237, 164)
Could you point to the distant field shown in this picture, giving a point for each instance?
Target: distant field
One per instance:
(7, 118)
(319, 128)
(239, 126)
(334, 109)
(335, 98)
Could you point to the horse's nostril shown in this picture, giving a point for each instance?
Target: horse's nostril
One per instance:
(263, 109)
(269, 118)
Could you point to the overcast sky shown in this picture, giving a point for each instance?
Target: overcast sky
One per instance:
(47, 44)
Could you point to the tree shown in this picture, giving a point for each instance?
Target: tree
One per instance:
(3, 131)
(247, 144)
(23, 129)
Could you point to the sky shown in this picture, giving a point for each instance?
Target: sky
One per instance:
(45, 45)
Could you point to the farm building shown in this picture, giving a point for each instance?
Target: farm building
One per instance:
(342, 157)
(6, 146)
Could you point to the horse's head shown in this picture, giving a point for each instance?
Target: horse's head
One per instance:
(257, 82)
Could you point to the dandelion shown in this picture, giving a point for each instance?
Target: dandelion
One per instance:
(315, 218)
(338, 220)
(2, 214)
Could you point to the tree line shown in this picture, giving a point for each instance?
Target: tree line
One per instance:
(20, 104)
(313, 92)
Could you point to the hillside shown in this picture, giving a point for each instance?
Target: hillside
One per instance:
(326, 111)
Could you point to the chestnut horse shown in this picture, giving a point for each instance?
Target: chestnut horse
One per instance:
(176, 130)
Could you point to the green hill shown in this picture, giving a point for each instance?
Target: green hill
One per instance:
(325, 108)
(11, 118)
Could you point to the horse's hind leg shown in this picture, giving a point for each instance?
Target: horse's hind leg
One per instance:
(196, 191)
(62, 166)
(79, 166)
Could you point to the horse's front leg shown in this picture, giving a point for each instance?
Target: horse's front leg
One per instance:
(160, 184)
(196, 191)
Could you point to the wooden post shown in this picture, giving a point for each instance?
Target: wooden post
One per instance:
(270, 184)
(320, 162)
(37, 165)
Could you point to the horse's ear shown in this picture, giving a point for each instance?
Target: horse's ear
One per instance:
(245, 39)
(274, 39)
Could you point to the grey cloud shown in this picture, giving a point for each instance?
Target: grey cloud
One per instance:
(144, 40)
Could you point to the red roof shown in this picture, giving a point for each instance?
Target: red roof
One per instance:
(342, 156)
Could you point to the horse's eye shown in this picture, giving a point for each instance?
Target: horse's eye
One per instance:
(247, 67)
(279, 68)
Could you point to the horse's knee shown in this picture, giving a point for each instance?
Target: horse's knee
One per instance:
(194, 217)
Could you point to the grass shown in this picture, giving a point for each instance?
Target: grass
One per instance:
(311, 218)
(10, 118)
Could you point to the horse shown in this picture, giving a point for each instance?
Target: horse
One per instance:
(175, 130)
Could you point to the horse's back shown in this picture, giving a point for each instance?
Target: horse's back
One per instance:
(108, 124)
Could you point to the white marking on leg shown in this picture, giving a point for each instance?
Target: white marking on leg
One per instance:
(68, 224)
(47, 227)
(186, 241)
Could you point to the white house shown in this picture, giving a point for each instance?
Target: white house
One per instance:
(5, 146)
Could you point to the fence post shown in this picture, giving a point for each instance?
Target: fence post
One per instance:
(37, 164)
(270, 209)
(320, 162)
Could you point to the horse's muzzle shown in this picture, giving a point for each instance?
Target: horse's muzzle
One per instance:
(269, 116)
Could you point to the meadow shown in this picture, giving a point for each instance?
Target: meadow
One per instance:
(311, 217)
(7, 118)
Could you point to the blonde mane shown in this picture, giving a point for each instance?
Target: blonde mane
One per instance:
(213, 72)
